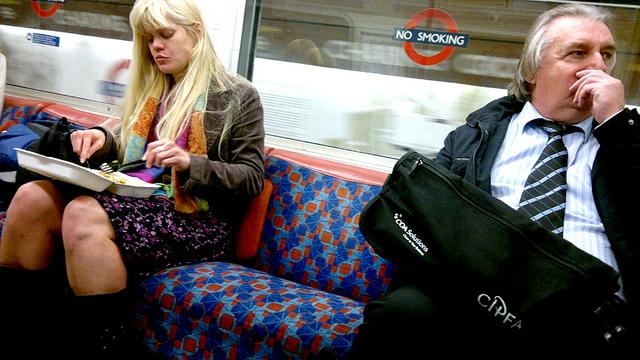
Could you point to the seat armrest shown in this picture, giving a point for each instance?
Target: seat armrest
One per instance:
(250, 229)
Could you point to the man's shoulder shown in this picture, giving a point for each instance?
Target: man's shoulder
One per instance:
(497, 110)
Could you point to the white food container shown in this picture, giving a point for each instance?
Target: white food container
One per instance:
(92, 179)
(62, 170)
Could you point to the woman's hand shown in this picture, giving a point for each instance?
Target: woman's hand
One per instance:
(86, 142)
(166, 153)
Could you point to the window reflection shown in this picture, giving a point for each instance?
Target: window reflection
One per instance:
(331, 73)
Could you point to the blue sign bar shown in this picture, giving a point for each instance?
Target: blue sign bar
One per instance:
(431, 37)
(44, 39)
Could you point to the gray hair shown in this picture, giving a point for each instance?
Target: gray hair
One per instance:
(537, 42)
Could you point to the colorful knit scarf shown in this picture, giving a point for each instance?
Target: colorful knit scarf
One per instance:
(192, 140)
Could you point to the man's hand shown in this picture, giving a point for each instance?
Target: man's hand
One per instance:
(166, 153)
(86, 142)
(605, 92)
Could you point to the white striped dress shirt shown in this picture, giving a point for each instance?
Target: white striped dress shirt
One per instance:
(519, 151)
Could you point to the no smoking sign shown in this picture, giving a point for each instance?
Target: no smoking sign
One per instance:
(449, 39)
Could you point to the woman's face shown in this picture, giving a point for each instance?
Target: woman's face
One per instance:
(171, 48)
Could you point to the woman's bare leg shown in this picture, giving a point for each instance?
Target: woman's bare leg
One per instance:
(94, 264)
(33, 226)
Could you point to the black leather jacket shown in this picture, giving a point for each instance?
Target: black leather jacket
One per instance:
(471, 149)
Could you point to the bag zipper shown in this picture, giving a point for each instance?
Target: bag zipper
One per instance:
(415, 164)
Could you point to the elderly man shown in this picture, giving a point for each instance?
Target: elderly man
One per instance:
(563, 77)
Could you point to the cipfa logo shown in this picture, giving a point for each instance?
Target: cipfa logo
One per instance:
(497, 307)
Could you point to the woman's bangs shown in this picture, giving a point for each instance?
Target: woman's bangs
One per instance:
(149, 21)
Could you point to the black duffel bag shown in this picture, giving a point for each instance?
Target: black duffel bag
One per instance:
(53, 141)
(486, 262)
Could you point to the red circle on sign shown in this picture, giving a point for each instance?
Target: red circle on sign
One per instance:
(44, 13)
(117, 68)
(416, 19)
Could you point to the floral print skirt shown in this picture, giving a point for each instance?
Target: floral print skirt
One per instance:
(152, 236)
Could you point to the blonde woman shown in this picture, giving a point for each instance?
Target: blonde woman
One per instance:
(200, 131)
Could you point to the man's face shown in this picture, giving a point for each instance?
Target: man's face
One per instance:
(576, 44)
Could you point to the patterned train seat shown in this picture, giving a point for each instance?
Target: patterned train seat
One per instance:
(303, 295)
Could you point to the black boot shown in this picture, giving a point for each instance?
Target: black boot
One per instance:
(105, 327)
(31, 306)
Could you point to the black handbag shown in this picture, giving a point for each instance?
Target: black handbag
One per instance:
(487, 262)
(53, 141)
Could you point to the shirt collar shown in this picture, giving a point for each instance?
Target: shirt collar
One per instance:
(529, 113)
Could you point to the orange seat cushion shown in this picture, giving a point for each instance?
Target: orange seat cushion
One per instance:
(250, 230)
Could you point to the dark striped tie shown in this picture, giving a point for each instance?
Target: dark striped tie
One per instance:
(544, 194)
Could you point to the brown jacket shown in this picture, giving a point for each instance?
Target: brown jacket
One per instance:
(233, 170)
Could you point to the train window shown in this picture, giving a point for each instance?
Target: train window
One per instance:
(343, 74)
(356, 75)
(51, 45)
(78, 51)
(102, 18)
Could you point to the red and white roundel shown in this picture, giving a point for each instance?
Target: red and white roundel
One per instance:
(415, 20)
(44, 13)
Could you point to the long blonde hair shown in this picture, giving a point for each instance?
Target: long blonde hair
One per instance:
(145, 78)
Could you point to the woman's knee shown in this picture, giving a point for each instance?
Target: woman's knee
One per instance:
(83, 220)
(39, 199)
(32, 226)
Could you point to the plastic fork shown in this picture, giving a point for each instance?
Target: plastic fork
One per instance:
(116, 166)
